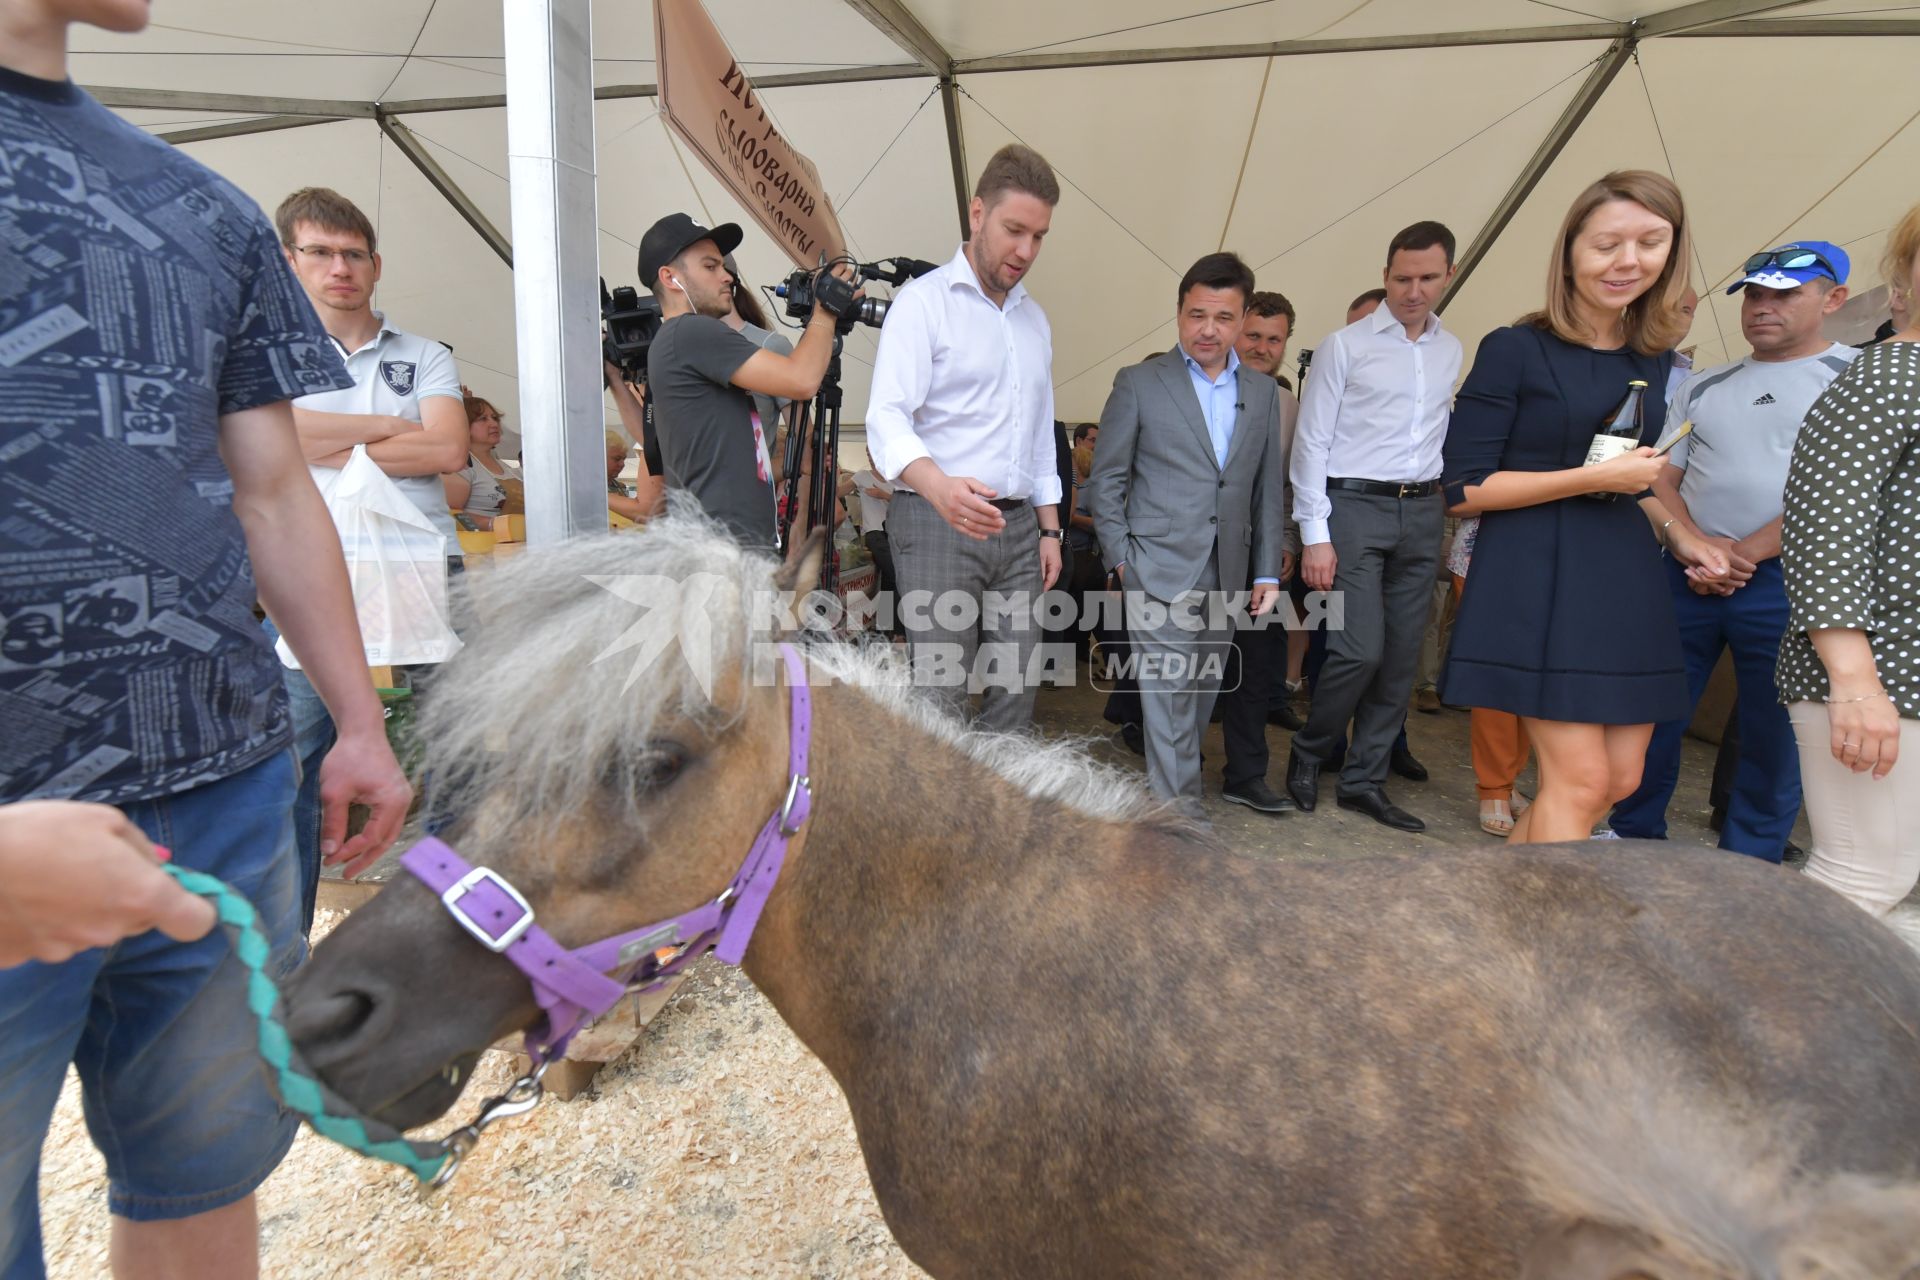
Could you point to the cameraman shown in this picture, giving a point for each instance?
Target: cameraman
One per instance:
(700, 374)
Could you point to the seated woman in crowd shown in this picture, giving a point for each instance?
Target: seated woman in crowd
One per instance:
(487, 486)
(1849, 668)
(1566, 620)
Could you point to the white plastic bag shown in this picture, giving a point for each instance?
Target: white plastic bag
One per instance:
(397, 562)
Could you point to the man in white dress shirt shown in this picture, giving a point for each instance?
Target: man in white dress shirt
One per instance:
(961, 421)
(1366, 493)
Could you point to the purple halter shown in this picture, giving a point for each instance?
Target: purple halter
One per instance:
(577, 986)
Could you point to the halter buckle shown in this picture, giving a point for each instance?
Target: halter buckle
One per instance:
(460, 888)
(795, 786)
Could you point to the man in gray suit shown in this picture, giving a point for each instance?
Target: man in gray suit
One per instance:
(1186, 494)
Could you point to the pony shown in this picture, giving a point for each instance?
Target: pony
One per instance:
(1078, 1038)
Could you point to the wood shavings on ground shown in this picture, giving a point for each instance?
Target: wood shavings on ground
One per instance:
(718, 1146)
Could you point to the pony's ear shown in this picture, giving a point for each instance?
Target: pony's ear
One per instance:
(801, 573)
(1596, 1251)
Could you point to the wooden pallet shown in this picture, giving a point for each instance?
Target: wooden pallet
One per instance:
(598, 1044)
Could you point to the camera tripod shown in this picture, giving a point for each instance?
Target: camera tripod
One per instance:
(816, 436)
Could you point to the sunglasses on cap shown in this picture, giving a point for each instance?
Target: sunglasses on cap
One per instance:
(1791, 258)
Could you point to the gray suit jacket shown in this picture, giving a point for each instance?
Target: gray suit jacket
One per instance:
(1163, 504)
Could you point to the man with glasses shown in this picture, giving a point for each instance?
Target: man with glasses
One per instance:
(1724, 483)
(405, 406)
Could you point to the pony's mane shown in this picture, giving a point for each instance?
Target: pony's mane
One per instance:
(578, 650)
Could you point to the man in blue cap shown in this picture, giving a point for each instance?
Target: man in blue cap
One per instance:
(1724, 483)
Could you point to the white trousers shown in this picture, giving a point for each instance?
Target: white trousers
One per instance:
(1866, 834)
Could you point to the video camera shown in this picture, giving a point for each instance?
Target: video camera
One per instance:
(631, 319)
(805, 287)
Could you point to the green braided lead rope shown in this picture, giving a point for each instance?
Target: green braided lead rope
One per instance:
(329, 1114)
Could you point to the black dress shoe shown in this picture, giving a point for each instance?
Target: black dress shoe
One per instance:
(1257, 795)
(1303, 781)
(1374, 803)
(1132, 738)
(1403, 763)
(1287, 718)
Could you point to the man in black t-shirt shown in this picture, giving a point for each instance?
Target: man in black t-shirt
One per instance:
(700, 374)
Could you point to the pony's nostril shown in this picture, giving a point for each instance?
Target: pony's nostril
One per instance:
(335, 1017)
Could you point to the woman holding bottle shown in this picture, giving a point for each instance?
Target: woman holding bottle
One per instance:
(1566, 620)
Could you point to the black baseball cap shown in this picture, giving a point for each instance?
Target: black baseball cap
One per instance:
(668, 238)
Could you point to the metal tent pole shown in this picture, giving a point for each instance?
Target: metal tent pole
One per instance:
(556, 298)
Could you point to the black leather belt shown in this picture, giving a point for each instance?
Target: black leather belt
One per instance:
(1008, 504)
(1387, 488)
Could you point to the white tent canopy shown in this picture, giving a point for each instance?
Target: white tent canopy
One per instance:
(1301, 133)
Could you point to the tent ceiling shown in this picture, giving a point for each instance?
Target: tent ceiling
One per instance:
(1300, 133)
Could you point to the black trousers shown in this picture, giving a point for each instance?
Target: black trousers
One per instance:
(1260, 664)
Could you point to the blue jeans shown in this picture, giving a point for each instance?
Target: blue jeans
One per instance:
(313, 737)
(159, 1030)
(1765, 799)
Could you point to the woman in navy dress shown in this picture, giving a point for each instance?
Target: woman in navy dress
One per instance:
(1566, 620)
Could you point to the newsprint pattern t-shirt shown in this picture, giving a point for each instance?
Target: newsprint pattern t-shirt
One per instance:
(141, 296)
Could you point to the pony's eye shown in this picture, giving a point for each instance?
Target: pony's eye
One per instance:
(660, 766)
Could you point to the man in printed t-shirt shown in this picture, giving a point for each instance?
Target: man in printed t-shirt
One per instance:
(151, 337)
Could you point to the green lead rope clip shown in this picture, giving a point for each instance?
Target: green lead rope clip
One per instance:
(330, 1115)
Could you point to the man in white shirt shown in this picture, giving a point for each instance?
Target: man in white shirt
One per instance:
(961, 422)
(1366, 491)
(405, 406)
(1725, 483)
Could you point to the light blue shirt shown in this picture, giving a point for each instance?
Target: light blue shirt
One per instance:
(1219, 401)
(1219, 405)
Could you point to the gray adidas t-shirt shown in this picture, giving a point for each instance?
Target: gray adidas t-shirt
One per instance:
(708, 445)
(1745, 417)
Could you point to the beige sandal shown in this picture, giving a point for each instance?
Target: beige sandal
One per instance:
(1496, 819)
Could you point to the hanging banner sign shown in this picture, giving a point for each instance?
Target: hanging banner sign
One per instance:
(712, 105)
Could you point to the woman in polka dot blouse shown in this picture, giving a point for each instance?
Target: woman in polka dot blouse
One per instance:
(1849, 667)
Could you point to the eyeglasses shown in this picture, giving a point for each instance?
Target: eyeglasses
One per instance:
(1792, 257)
(320, 253)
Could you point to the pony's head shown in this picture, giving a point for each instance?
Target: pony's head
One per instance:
(610, 740)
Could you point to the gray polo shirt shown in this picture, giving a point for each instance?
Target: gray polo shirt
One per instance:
(1745, 418)
(392, 375)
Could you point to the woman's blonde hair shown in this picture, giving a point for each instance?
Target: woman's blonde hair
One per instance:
(1653, 321)
(1902, 243)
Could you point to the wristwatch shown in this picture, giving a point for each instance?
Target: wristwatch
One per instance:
(1055, 534)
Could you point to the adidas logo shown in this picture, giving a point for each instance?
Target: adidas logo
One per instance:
(1766, 397)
